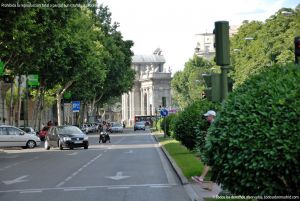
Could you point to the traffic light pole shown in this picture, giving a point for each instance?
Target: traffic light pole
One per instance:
(224, 82)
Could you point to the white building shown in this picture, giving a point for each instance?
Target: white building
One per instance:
(205, 45)
(152, 87)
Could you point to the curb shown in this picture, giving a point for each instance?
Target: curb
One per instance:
(186, 185)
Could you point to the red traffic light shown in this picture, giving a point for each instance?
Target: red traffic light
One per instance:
(297, 46)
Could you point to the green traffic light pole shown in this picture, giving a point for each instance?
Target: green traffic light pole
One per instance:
(223, 53)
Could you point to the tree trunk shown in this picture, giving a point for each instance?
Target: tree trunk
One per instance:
(11, 105)
(19, 98)
(59, 95)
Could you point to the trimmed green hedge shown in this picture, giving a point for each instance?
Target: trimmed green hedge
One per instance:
(190, 121)
(169, 124)
(253, 146)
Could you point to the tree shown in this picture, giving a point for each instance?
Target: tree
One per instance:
(260, 45)
(188, 85)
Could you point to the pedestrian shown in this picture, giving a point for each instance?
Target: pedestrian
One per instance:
(210, 117)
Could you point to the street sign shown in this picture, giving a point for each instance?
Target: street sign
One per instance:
(164, 112)
(1, 68)
(75, 106)
(33, 80)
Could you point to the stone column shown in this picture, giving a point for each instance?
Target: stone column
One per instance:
(148, 102)
(142, 102)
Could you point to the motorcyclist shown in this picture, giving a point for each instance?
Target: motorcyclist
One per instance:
(104, 131)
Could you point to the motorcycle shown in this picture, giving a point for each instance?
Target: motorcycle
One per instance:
(104, 137)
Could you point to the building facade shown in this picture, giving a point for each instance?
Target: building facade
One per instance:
(152, 87)
(205, 43)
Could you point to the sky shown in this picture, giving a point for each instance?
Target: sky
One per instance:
(171, 25)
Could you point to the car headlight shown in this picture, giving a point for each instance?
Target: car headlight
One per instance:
(86, 137)
(66, 139)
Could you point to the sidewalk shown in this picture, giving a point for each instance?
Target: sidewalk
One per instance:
(196, 192)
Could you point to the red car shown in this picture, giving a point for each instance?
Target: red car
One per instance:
(43, 133)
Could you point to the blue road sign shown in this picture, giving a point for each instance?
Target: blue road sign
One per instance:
(164, 112)
(75, 106)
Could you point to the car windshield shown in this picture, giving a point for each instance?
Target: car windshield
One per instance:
(140, 123)
(69, 130)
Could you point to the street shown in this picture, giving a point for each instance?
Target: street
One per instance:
(131, 167)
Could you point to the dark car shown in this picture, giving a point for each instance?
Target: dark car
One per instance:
(66, 137)
(139, 126)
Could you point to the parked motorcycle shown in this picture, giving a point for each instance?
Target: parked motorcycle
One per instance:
(104, 137)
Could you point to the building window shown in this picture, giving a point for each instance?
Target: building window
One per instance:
(160, 68)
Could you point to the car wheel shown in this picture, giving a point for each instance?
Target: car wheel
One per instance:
(86, 147)
(30, 144)
(60, 145)
(46, 145)
(71, 148)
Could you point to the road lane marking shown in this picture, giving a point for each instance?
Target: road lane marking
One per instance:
(90, 187)
(120, 187)
(74, 189)
(73, 154)
(78, 171)
(17, 180)
(31, 191)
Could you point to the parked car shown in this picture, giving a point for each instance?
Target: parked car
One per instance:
(28, 130)
(11, 136)
(43, 133)
(116, 127)
(66, 137)
(139, 126)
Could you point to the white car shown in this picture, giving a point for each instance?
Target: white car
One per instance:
(116, 127)
(11, 136)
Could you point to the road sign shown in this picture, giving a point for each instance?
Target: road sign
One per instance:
(164, 112)
(33, 80)
(76, 106)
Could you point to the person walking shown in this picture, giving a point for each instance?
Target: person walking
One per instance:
(210, 117)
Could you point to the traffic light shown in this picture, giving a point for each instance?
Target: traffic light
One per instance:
(297, 46)
(297, 49)
(222, 43)
(213, 84)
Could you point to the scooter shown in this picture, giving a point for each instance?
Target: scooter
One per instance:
(104, 137)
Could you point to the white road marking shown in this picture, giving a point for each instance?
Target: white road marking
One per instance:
(31, 191)
(78, 171)
(91, 187)
(73, 154)
(17, 180)
(120, 187)
(118, 176)
(74, 189)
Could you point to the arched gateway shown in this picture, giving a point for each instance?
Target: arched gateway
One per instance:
(152, 87)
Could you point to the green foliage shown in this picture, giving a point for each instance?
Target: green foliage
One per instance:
(190, 120)
(271, 42)
(253, 144)
(188, 84)
(169, 124)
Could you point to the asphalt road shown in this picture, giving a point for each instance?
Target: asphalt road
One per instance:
(130, 168)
